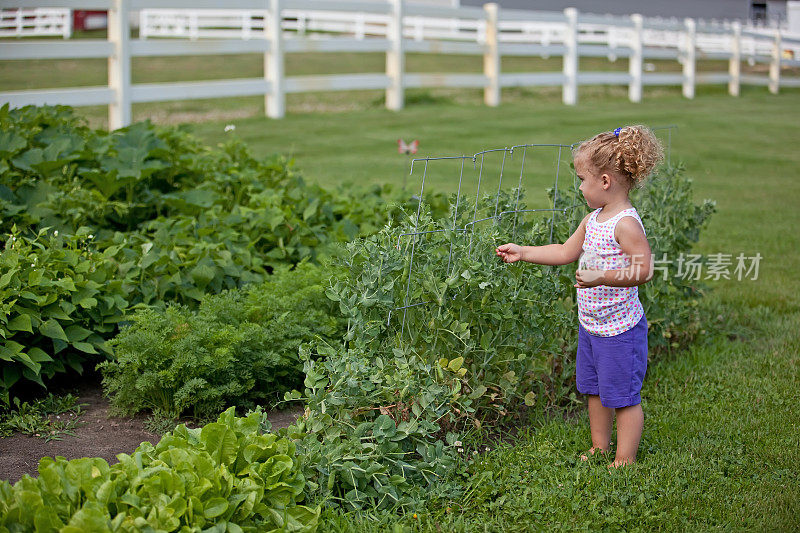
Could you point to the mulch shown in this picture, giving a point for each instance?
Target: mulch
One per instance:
(100, 435)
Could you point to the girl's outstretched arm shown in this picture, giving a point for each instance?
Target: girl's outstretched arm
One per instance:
(551, 254)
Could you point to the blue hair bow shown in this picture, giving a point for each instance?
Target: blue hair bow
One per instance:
(616, 132)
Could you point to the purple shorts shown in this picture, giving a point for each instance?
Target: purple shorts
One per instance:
(613, 367)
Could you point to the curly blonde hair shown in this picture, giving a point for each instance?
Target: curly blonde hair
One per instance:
(632, 152)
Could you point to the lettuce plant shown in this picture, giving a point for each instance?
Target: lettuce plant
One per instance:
(228, 475)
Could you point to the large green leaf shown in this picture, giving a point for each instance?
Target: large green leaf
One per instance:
(87, 303)
(11, 143)
(302, 519)
(6, 278)
(29, 159)
(92, 516)
(21, 322)
(10, 349)
(76, 333)
(39, 355)
(85, 347)
(202, 275)
(44, 160)
(220, 442)
(215, 507)
(23, 358)
(51, 328)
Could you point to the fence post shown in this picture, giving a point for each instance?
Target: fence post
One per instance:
(247, 19)
(569, 94)
(395, 58)
(194, 30)
(775, 65)
(735, 62)
(491, 57)
(689, 52)
(636, 59)
(275, 100)
(361, 25)
(144, 24)
(119, 65)
(68, 24)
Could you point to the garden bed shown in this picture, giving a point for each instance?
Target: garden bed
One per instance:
(98, 435)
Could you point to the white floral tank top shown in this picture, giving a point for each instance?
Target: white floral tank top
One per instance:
(607, 311)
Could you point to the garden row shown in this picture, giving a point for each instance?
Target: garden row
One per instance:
(98, 224)
(389, 395)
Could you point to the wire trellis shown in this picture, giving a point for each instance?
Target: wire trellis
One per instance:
(478, 161)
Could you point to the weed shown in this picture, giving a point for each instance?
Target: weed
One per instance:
(49, 418)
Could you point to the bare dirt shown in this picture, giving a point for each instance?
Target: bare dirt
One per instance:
(100, 435)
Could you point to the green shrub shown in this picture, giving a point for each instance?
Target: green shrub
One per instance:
(673, 223)
(239, 348)
(228, 475)
(55, 171)
(179, 260)
(61, 300)
(397, 397)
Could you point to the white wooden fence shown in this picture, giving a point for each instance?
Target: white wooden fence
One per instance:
(406, 27)
(38, 22)
(240, 24)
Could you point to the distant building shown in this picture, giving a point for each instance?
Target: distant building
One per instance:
(766, 13)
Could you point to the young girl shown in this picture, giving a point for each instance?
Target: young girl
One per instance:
(612, 339)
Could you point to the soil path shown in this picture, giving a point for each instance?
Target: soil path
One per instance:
(98, 436)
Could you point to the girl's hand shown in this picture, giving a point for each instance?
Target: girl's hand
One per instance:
(588, 278)
(509, 252)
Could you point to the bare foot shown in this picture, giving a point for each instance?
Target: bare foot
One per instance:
(591, 451)
(622, 462)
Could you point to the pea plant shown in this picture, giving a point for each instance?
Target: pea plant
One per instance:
(387, 406)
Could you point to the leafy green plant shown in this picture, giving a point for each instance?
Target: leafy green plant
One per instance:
(228, 474)
(60, 301)
(239, 348)
(50, 417)
(673, 223)
(57, 172)
(387, 409)
(181, 259)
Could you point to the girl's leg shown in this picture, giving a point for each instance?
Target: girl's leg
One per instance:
(630, 421)
(600, 420)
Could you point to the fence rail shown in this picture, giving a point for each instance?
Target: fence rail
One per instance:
(277, 27)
